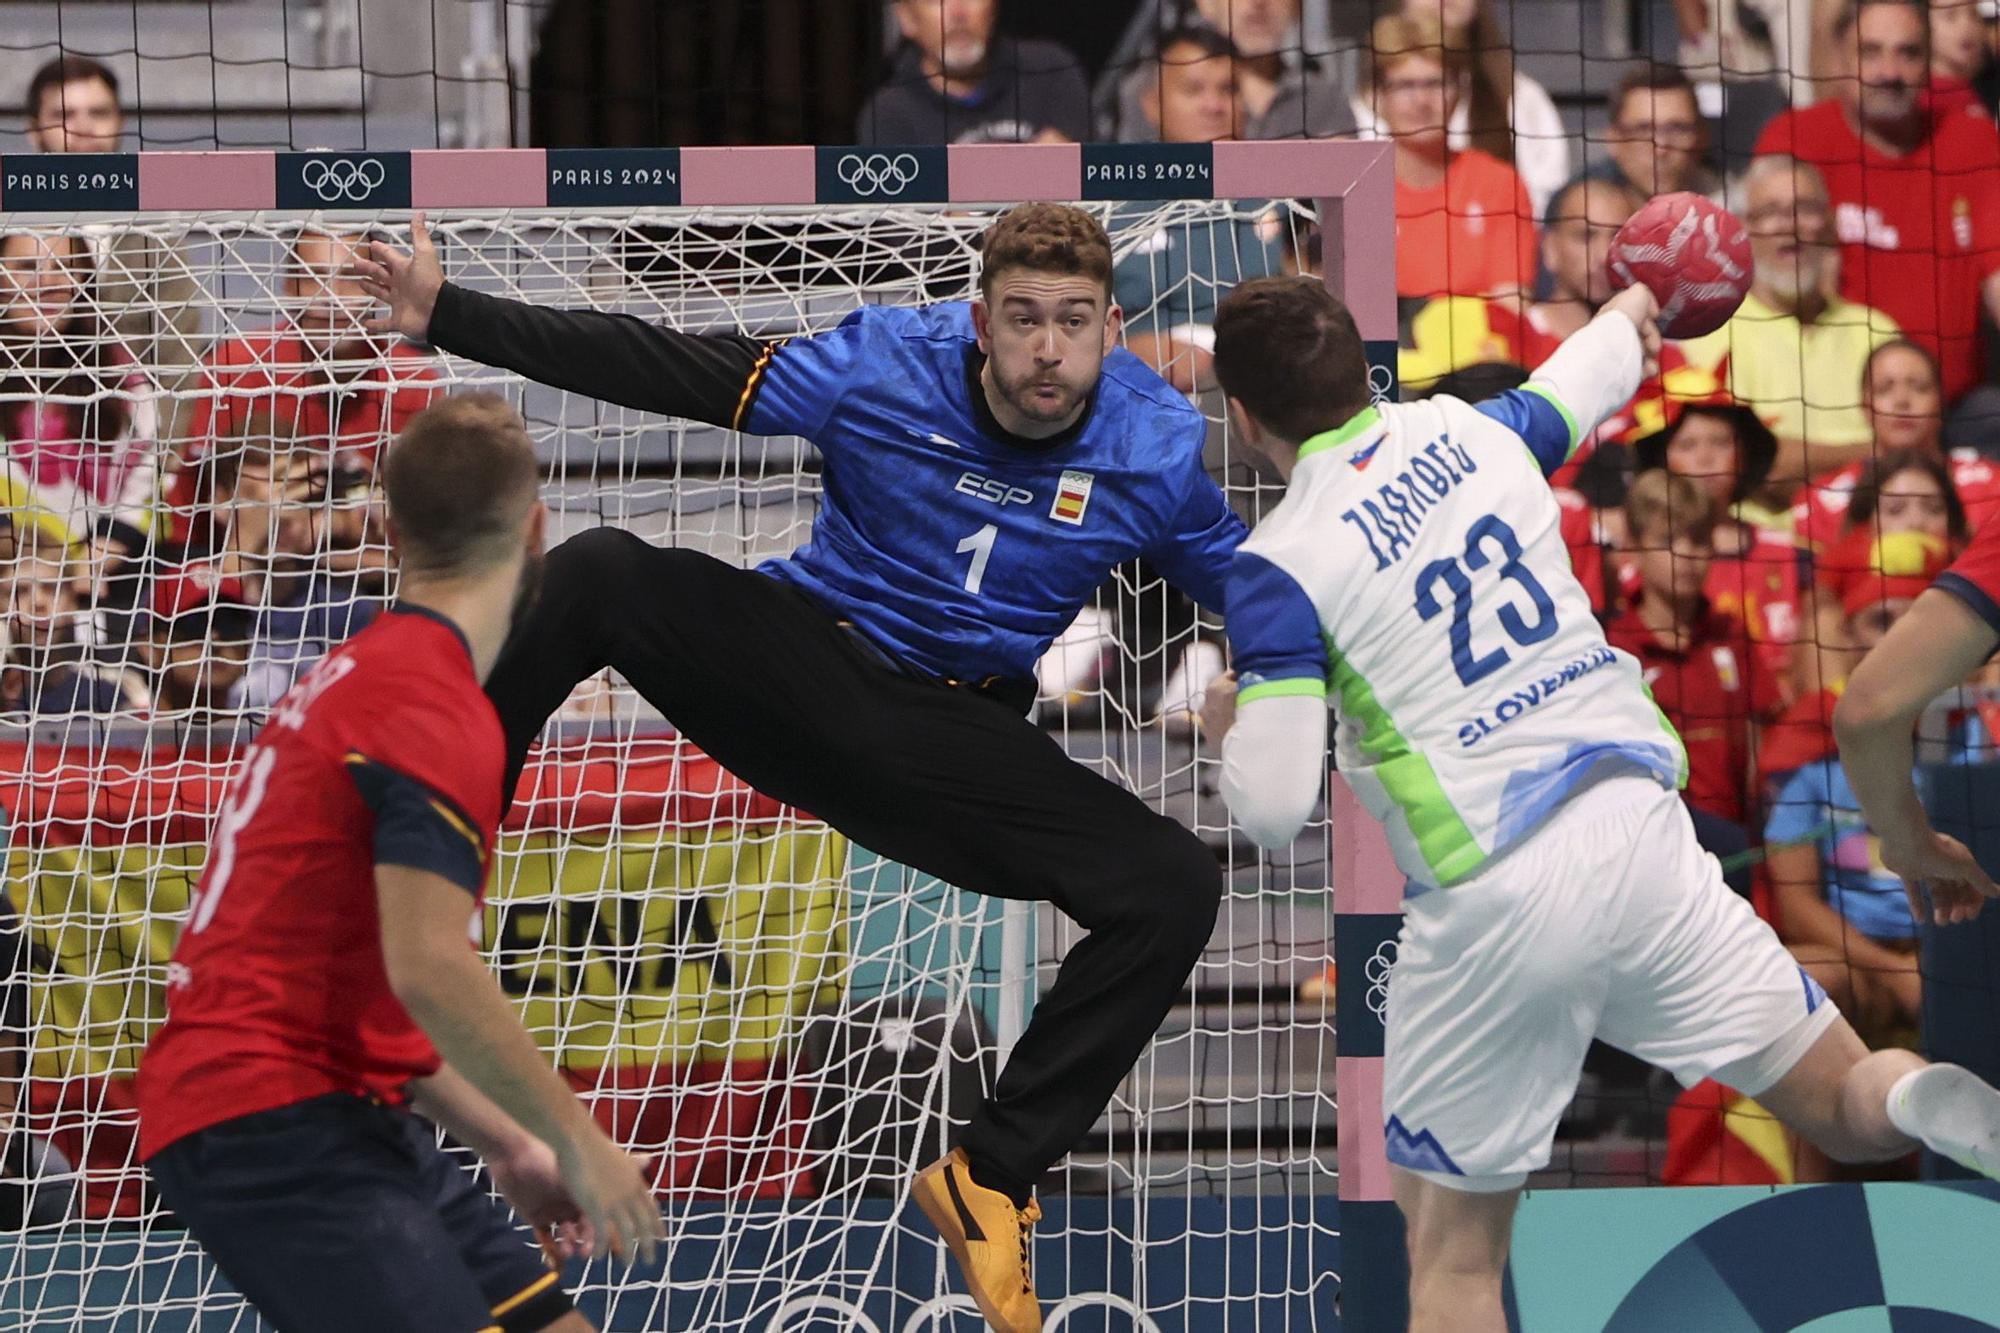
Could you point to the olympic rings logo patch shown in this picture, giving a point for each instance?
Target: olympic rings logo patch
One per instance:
(1381, 964)
(342, 179)
(877, 174)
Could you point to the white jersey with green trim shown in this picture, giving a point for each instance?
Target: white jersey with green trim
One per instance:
(1473, 686)
(1416, 572)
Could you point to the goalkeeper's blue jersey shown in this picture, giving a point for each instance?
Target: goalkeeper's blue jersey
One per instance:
(963, 551)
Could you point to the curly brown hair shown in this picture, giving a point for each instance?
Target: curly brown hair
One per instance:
(1048, 238)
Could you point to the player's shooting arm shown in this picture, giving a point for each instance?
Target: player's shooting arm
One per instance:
(613, 358)
(1592, 375)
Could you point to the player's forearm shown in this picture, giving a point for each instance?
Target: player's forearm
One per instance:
(1596, 370)
(613, 358)
(457, 1003)
(1274, 766)
(1935, 646)
(467, 1114)
(1879, 758)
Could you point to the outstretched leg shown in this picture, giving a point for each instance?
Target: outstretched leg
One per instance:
(1863, 1106)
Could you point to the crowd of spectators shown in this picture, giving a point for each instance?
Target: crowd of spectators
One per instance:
(184, 565)
(1762, 510)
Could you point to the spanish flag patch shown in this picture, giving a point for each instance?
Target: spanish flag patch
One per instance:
(1072, 498)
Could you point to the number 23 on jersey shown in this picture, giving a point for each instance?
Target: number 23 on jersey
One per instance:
(1488, 537)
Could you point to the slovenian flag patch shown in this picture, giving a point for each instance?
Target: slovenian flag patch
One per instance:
(1072, 498)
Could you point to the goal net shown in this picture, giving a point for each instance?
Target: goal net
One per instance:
(787, 1024)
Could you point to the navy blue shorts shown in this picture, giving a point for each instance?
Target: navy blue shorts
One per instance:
(337, 1214)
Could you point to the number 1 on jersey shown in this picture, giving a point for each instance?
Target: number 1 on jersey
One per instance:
(980, 544)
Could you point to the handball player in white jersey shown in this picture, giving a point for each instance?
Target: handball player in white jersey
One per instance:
(1414, 576)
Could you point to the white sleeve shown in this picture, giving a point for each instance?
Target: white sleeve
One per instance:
(1274, 766)
(1595, 372)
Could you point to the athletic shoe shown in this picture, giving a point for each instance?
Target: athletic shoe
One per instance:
(1953, 1112)
(989, 1237)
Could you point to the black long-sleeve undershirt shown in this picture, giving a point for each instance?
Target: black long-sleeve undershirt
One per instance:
(614, 358)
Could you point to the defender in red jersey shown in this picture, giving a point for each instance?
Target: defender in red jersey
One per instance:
(1951, 631)
(323, 987)
(1915, 189)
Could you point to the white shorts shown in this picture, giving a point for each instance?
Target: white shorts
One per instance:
(1609, 921)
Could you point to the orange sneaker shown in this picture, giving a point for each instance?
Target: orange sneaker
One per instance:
(989, 1237)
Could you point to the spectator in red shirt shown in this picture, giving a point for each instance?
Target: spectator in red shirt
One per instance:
(319, 375)
(1697, 660)
(1726, 449)
(1916, 191)
(1901, 395)
(1464, 225)
(1910, 490)
(1903, 490)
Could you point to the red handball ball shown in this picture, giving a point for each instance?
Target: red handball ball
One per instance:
(1693, 254)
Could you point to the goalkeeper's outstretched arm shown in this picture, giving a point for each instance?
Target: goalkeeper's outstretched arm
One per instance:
(613, 358)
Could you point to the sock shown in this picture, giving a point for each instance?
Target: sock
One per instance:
(1952, 1112)
(986, 1176)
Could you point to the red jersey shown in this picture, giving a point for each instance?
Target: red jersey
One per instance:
(1712, 692)
(1759, 589)
(1920, 233)
(1470, 234)
(1974, 578)
(272, 370)
(388, 752)
(1820, 513)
